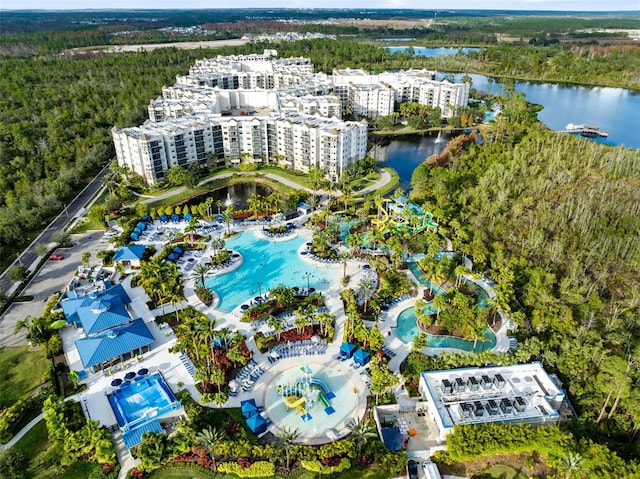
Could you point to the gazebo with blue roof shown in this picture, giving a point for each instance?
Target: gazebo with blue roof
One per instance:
(362, 357)
(129, 255)
(347, 350)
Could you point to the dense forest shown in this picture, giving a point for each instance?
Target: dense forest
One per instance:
(554, 221)
(55, 121)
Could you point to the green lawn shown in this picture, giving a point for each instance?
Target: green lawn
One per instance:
(501, 471)
(302, 180)
(365, 181)
(36, 446)
(21, 370)
(85, 225)
(392, 185)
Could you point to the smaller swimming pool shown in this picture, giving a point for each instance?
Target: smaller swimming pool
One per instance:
(141, 401)
(311, 399)
(408, 328)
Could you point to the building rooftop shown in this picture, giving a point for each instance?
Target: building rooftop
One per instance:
(114, 342)
(523, 392)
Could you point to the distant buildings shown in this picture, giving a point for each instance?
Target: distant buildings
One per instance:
(518, 393)
(262, 109)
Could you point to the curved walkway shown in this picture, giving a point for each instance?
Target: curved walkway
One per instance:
(385, 178)
(23, 431)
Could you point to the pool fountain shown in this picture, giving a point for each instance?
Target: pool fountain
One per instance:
(314, 399)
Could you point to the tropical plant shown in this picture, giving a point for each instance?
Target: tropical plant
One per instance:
(209, 439)
(361, 431)
(285, 440)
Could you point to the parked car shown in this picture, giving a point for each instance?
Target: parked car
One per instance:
(412, 467)
(56, 257)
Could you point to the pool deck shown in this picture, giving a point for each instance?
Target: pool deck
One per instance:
(175, 369)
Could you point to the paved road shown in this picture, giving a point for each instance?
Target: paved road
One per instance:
(28, 256)
(52, 278)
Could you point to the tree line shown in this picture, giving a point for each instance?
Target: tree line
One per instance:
(553, 220)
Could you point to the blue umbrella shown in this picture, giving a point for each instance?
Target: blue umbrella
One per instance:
(172, 257)
(146, 218)
(188, 216)
(164, 218)
(248, 408)
(257, 424)
(175, 217)
(178, 250)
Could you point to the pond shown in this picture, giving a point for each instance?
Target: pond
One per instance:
(235, 195)
(405, 153)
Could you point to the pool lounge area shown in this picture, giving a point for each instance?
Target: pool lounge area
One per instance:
(139, 404)
(267, 264)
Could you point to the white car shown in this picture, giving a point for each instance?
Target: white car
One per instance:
(431, 470)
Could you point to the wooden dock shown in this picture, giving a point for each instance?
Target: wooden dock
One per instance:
(589, 131)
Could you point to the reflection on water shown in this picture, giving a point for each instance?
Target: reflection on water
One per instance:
(237, 193)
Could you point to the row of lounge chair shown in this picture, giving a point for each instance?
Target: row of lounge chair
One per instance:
(297, 348)
(389, 352)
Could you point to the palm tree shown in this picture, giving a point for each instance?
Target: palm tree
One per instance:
(200, 271)
(366, 285)
(344, 256)
(572, 462)
(286, 439)
(254, 202)
(361, 432)
(227, 217)
(276, 324)
(175, 299)
(209, 439)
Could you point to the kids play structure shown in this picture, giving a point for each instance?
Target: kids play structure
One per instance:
(398, 214)
(304, 393)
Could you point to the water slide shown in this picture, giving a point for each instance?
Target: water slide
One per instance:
(294, 401)
(325, 395)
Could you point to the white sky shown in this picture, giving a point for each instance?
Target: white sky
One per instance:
(561, 5)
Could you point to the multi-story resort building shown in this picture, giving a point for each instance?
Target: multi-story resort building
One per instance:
(262, 109)
(374, 95)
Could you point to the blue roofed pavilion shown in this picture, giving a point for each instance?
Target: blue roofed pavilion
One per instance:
(129, 339)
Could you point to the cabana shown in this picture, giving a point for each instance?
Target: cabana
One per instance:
(134, 236)
(188, 216)
(146, 218)
(175, 217)
(347, 350)
(362, 357)
(178, 250)
(257, 424)
(141, 226)
(172, 257)
(129, 255)
(164, 218)
(248, 408)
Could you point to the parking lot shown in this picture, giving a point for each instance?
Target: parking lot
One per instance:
(52, 278)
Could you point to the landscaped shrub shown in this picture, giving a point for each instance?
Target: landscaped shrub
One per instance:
(332, 467)
(13, 415)
(257, 469)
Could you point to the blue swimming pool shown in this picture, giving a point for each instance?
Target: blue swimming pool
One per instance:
(267, 264)
(146, 399)
(407, 329)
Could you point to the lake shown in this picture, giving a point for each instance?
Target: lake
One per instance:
(615, 110)
(431, 52)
